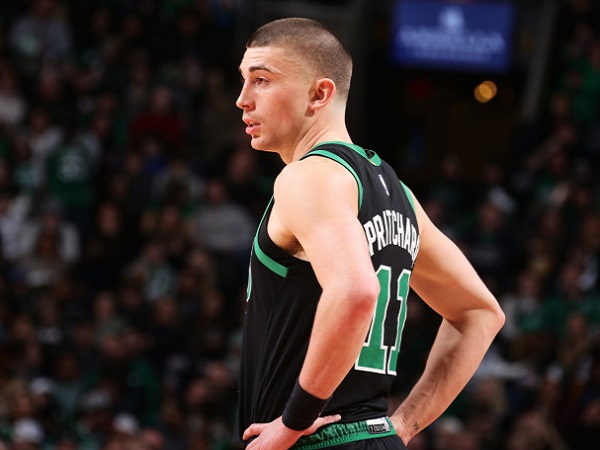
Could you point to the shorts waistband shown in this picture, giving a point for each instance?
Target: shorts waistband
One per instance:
(343, 433)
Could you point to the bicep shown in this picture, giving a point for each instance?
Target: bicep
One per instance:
(317, 204)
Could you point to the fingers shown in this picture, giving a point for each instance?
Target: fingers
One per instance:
(253, 430)
(328, 419)
(257, 428)
(322, 421)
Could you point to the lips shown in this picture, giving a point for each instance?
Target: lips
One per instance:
(251, 126)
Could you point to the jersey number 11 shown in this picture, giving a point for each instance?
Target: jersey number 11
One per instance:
(375, 355)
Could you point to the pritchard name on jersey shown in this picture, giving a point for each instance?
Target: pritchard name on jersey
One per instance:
(392, 228)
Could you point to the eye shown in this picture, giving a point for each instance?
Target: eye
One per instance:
(260, 81)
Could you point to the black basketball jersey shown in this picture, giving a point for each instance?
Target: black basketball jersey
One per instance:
(283, 293)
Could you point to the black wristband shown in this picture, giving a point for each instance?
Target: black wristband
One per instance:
(302, 409)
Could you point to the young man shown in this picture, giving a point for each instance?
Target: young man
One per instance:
(331, 266)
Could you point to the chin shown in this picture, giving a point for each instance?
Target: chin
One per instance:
(260, 149)
(256, 144)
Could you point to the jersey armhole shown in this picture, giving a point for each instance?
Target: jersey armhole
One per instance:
(409, 195)
(265, 259)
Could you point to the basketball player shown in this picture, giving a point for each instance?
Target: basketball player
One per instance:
(334, 257)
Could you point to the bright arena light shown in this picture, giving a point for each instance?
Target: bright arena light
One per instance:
(485, 91)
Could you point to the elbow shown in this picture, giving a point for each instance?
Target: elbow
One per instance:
(494, 320)
(356, 298)
(364, 296)
(499, 319)
(487, 321)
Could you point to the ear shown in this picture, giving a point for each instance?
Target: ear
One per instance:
(323, 92)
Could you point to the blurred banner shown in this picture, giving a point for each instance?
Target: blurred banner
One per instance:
(451, 35)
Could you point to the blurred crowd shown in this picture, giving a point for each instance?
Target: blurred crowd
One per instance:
(129, 199)
(128, 203)
(531, 228)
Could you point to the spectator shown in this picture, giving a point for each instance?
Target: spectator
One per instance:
(69, 172)
(169, 226)
(133, 306)
(51, 222)
(43, 265)
(160, 119)
(152, 267)
(40, 36)
(179, 186)
(109, 246)
(567, 297)
(25, 174)
(106, 315)
(450, 187)
(168, 339)
(48, 324)
(68, 386)
(521, 306)
(41, 135)
(211, 326)
(12, 217)
(52, 92)
(94, 419)
(247, 179)
(13, 104)
(27, 434)
(534, 432)
(226, 229)
(127, 377)
(132, 187)
(485, 244)
(137, 86)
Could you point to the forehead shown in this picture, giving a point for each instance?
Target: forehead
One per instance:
(277, 60)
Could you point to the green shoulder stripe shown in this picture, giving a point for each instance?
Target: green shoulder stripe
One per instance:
(372, 157)
(269, 262)
(409, 195)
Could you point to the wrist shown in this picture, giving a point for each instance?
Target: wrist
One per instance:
(302, 409)
(401, 427)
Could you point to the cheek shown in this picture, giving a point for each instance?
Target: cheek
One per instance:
(290, 110)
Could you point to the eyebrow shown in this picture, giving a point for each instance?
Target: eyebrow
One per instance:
(257, 67)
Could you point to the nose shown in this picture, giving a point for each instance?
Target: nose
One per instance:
(243, 100)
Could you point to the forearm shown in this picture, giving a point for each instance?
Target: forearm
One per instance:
(338, 334)
(454, 358)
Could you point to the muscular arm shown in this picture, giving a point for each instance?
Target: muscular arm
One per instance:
(316, 203)
(446, 281)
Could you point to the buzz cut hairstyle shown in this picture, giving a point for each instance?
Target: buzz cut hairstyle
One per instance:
(311, 41)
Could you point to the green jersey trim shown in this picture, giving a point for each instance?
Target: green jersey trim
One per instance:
(369, 155)
(344, 433)
(409, 196)
(267, 261)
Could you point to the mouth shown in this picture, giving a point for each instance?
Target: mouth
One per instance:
(251, 126)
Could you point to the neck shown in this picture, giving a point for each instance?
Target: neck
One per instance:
(307, 145)
(334, 131)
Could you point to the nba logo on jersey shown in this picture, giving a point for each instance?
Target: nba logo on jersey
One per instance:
(384, 185)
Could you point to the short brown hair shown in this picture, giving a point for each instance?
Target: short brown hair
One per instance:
(312, 42)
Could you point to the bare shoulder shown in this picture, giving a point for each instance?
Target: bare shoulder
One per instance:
(312, 196)
(313, 175)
